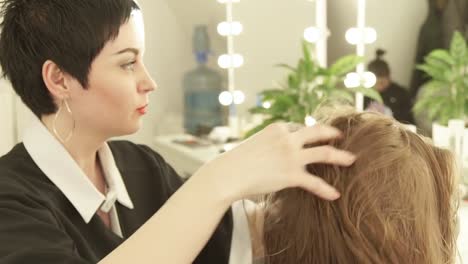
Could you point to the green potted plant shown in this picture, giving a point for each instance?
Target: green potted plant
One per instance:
(308, 86)
(445, 95)
(444, 98)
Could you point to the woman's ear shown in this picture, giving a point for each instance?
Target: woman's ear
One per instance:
(55, 80)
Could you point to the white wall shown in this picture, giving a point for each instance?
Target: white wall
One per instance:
(165, 58)
(199, 12)
(397, 23)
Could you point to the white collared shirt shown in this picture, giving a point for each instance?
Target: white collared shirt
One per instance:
(58, 165)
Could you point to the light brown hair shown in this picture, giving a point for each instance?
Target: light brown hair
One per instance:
(398, 202)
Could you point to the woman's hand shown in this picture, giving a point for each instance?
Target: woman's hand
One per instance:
(274, 159)
(271, 160)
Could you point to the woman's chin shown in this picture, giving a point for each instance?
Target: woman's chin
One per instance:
(128, 130)
(135, 127)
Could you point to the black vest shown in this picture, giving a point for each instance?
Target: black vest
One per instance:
(39, 225)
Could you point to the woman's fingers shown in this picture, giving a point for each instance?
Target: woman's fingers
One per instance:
(317, 186)
(275, 158)
(315, 134)
(328, 155)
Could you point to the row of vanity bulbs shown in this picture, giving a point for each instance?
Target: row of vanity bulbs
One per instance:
(231, 60)
(354, 36)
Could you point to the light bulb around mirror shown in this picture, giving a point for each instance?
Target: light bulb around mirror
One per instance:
(225, 98)
(239, 97)
(230, 61)
(352, 80)
(352, 36)
(224, 61)
(230, 28)
(312, 34)
(366, 35)
(370, 35)
(238, 60)
(266, 105)
(369, 79)
(310, 121)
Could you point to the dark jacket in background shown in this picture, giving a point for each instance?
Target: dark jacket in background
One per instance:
(398, 100)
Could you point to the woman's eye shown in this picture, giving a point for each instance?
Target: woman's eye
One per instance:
(129, 66)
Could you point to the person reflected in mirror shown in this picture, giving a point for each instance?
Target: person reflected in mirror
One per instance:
(397, 101)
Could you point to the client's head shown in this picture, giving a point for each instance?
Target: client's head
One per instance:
(397, 204)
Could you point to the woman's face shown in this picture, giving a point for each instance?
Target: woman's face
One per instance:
(382, 83)
(119, 84)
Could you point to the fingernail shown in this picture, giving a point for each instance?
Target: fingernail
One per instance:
(350, 156)
(335, 195)
(333, 130)
(337, 132)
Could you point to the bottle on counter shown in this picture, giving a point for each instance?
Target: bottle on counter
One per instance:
(202, 87)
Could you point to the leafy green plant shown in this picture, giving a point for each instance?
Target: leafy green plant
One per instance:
(445, 96)
(308, 86)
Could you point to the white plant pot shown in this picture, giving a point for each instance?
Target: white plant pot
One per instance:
(441, 137)
(441, 134)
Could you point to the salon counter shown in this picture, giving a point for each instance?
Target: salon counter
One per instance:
(185, 153)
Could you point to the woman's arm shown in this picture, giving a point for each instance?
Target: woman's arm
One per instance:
(271, 160)
(179, 230)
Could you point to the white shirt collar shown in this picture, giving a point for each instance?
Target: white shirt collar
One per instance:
(58, 165)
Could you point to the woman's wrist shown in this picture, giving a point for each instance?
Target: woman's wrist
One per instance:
(216, 185)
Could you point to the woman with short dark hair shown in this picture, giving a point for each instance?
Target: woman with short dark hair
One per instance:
(67, 195)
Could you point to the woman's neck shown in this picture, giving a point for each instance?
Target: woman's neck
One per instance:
(83, 147)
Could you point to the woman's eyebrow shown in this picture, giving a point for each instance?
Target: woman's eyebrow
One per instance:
(132, 50)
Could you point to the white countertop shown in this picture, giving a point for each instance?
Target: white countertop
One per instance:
(185, 160)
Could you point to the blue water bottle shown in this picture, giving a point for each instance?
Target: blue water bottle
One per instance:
(202, 87)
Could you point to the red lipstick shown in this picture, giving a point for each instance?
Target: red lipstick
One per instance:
(143, 110)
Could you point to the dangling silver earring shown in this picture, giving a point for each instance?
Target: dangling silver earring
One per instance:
(54, 125)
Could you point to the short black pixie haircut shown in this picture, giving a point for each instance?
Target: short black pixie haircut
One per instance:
(71, 33)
